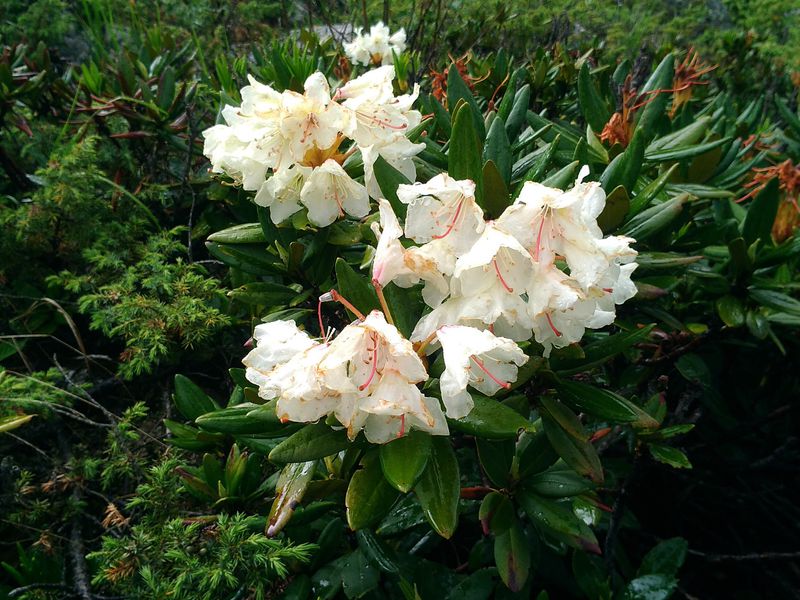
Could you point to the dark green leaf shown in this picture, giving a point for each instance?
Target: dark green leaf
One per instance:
(498, 150)
(512, 556)
(604, 404)
(369, 496)
(490, 419)
(403, 460)
(669, 456)
(190, 400)
(439, 487)
(666, 558)
(594, 108)
(292, 484)
(388, 179)
(310, 443)
(464, 156)
(355, 288)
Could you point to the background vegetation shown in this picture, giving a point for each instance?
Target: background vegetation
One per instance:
(120, 324)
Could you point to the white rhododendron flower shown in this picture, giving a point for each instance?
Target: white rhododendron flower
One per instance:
(405, 267)
(376, 46)
(478, 359)
(367, 378)
(290, 147)
(281, 192)
(276, 343)
(329, 192)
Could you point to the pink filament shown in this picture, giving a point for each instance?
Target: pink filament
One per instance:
(452, 222)
(553, 327)
(381, 122)
(321, 324)
(509, 289)
(402, 431)
(364, 385)
(492, 377)
(539, 241)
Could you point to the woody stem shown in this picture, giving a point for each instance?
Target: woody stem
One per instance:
(382, 299)
(346, 303)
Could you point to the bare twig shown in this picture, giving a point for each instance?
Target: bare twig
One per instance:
(745, 557)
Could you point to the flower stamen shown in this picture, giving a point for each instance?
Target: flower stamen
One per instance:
(374, 369)
(452, 223)
(508, 288)
(553, 327)
(482, 367)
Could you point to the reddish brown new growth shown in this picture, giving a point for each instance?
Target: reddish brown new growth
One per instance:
(788, 174)
(619, 129)
(439, 78)
(687, 75)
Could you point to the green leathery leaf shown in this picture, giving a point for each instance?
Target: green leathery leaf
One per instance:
(261, 293)
(579, 454)
(403, 460)
(190, 400)
(496, 458)
(558, 519)
(625, 167)
(604, 404)
(595, 110)
(596, 353)
(369, 496)
(617, 206)
(242, 419)
(542, 164)
(686, 136)
(519, 110)
(388, 179)
(251, 258)
(247, 233)
(439, 487)
(565, 418)
(685, 152)
(776, 300)
(496, 513)
(457, 90)
(557, 483)
(761, 214)
(495, 192)
(292, 484)
(355, 288)
(534, 454)
(649, 192)
(650, 587)
(311, 442)
(464, 154)
(490, 419)
(378, 553)
(669, 456)
(666, 558)
(498, 149)
(512, 557)
(562, 178)
(651, 221)
(661, 79)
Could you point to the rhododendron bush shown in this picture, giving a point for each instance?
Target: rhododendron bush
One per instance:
(458, 252)
(360, 316)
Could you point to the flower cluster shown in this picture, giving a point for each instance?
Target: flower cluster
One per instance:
(290, 147)
(375, 47)
(543, 269)
(367, 376)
